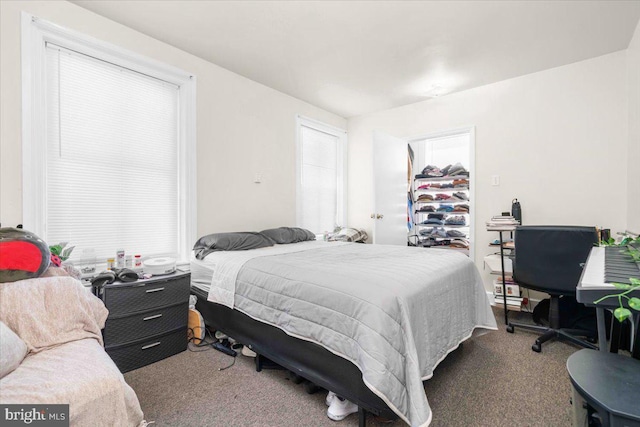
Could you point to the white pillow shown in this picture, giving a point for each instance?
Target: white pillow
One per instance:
(12, 350)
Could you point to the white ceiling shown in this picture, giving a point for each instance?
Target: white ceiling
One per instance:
(355, 57)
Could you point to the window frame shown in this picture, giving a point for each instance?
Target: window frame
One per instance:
(35, 34)
(341, 134)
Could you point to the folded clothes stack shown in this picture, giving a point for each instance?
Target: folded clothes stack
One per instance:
(460, 196)
(425, 198)
(461, 208)
(455, 233)
(430, 241)
(442, 196)
(434, 218)
(432, 171)
(456, 220)
(457, 170)
(433, 221)
(436, 232)
(445, 208)
(459, 243)
(426, 208)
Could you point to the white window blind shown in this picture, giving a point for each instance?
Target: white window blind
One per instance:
(320, 180)
(112, 157)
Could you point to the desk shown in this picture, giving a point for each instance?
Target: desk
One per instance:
(592, 287)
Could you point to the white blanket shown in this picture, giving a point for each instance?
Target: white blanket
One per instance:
(229, 264)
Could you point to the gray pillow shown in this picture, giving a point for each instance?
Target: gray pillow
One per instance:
(239, 241)
(12, 350)
(285, 235)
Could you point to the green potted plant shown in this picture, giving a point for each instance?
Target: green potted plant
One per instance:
(60, 253)
(629, 246)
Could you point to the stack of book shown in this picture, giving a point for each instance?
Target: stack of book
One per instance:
(502, 222)
(514, 301)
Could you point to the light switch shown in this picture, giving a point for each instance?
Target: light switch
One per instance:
(257, 178)
(495, 180)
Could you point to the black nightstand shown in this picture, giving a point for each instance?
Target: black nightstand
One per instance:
(147, 319)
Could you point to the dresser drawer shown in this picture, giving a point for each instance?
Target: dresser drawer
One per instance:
(145, 352)
(144, 295)
(120, 330)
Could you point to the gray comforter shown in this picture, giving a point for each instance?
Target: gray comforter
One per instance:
(395, 312)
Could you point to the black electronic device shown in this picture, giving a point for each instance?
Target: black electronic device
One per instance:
(516, 211)
(222, 348)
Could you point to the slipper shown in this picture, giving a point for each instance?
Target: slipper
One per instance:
(126, 275)
(103, 278)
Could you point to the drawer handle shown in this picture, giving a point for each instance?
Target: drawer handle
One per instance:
(155, 290)
(144, 347)
(152, 317)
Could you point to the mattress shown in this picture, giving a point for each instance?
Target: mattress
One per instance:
(202, 272)
(393, 311)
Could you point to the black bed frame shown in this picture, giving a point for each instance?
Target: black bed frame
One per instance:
(304, 358)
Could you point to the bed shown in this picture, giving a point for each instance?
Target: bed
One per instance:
(369, 322)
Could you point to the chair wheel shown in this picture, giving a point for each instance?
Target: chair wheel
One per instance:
(510, 329)
(536, 347)
(310, 387)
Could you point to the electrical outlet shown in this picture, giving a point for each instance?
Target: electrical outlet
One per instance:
(495, 180)
(257, 178)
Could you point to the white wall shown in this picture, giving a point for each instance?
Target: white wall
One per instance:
(633, 164)
(557, 138)
(243, 127)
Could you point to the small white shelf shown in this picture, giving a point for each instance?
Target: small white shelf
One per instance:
(502, 228)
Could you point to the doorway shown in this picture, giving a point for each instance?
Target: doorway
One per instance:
(440, 203)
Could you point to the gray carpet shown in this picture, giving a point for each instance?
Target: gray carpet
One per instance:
(492, 380)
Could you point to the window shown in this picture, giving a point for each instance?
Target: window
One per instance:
(321, 176)
(109, 158)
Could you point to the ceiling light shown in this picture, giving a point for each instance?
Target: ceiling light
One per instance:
(434, 91)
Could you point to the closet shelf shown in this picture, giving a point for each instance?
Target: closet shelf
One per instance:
(449, 201)
(463, 189)
(443, 178)
(442, 190)
(444, 213)
(443, 225)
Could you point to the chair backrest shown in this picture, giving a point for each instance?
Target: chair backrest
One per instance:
(549, 258)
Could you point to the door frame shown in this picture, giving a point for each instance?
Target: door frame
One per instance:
(471, 130)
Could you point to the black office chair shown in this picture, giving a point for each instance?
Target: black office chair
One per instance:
(550, 259)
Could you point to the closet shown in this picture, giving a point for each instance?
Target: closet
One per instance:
(440, 198)
(432, 209)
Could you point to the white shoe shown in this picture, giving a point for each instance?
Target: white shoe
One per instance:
(246, 351)
(330, 396)
(339, 409)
